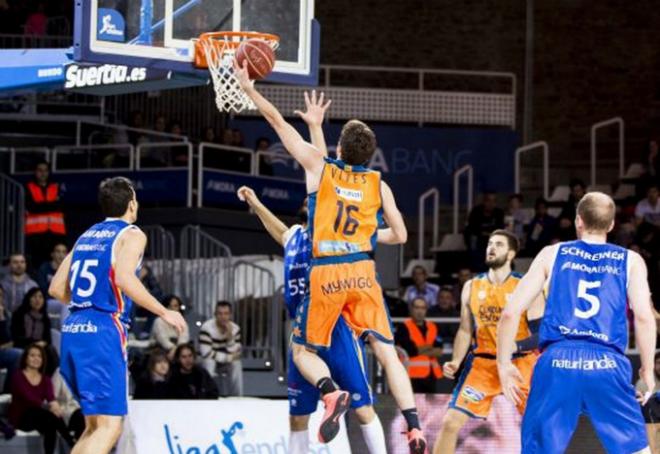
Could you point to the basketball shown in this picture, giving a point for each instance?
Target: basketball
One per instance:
(259, 55)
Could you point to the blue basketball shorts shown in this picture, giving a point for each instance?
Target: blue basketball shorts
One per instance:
(573, 378)
(93, 362)
(346, 360)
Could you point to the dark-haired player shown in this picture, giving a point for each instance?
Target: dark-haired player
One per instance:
(99, 278)
(346, 203)
(584, 335)
(482, 301)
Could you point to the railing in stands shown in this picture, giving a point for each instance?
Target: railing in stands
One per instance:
(12, 216)
(264, 162)
(620, 125)
(163, 156)
(160, 255)
(469, 170)
(110, 158)
(546, 165)
(434, 195)
(205, 269)
(237, 158)
(257, 313)
(23, 159)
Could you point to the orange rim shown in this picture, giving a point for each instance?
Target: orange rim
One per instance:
(225, 41)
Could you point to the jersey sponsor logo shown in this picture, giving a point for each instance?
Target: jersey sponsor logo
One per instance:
(598, 269)
(490, 314)
(84, 328)
(472, 395)
(349, 194)
(566, 331)
(111, 25)
(356, 396)
(603, 363)
(338, 246)
(350, 283)
(92, 76)
(577, 252)
(91, 247)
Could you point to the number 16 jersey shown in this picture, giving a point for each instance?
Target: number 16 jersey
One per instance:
(587, 297)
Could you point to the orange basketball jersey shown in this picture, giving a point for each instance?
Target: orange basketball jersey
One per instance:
(487, 301)
(345, 211)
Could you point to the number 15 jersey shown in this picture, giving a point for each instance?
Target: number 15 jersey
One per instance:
(92, 275)
(587, 297)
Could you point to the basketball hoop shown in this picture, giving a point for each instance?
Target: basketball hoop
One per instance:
(215, 51)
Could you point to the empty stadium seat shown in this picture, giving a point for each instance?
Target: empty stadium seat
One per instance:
(452, 242)
(560, 194)
(635, 170)
(606, 188)
(624, 191)
(429, 266)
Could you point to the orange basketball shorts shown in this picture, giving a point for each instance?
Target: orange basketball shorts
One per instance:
(349, 290)
(479, 384)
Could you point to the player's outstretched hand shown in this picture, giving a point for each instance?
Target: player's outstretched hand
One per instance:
(510, 379)
(314, 109)
(449, 369)
(648, 378)
(242, 75)
(174, 319)
(246, 194)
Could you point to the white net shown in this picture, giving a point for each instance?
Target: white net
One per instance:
(229, 97)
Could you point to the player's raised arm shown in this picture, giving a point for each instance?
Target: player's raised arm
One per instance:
(59, 285)
(273, 225)
(396, 233)
(304, 152)
(463, 335)
(129, 253)
(526, 293)
(639, 298)
(313, 116)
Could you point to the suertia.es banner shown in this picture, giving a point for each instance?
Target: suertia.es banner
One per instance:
(108, 79)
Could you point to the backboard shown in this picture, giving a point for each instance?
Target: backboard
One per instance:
(159, 33)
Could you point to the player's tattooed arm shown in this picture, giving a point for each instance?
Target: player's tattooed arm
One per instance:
(639, 298)
(309, 157)
(313, 116)
(272, 223)
(396, 233)
(59, 285)
(463, 335)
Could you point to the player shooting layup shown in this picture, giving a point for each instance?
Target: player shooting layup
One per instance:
(584, 334)
(345, 202)
(346, 356)
(99, 278)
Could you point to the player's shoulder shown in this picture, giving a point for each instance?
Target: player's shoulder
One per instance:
(480, 277)
(134, 232)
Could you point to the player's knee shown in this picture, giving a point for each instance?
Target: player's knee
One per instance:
(365, 414)
(298, 423)
(452, 422)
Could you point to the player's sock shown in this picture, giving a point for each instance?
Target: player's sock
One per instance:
(299, 442)
(374, 436)
(412, 419)
(326, 385)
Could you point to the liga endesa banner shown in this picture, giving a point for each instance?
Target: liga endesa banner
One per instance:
(225, 426)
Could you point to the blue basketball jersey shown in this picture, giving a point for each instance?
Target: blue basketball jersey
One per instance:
(92, 274)
(587, 297)
(297, 258)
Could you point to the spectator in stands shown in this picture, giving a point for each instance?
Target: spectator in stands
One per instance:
(516, 217)
(227, 136)
(541, 230)
(220, 349)
(148, 279)
(190, 381)
(37, 22)
(30, 325)
(71, 412)
(9, 355)
(17, 283)
(566, 228)
(166, 337)
(419, 338)
(237, 138)
(652, 164)
(648, 209)
(175, 128)
(33, 405)
(208, 135)
(421, 288)
(160, 123)
(48, 269)
(482, 220)
(44, 219)
(651, 410)
(154, 383)
(262, 144)
(137, 122)
(463, 275)
(446, 307)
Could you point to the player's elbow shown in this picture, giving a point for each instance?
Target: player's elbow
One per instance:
(56, 291)
(123, 279)
(401, 235)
